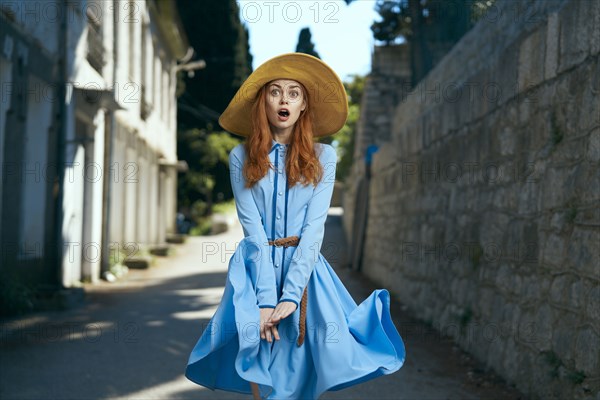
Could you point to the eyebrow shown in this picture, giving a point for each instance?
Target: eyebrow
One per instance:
(290, 87)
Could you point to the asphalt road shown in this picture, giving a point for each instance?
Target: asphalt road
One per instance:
(131, 339)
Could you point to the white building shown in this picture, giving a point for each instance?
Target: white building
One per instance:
(87, 133)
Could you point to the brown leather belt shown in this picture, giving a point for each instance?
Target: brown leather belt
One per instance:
(286, 242)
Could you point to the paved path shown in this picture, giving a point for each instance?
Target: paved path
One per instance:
(131, 339)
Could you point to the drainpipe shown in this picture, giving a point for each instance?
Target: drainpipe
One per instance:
(60, 143)
(109, 129)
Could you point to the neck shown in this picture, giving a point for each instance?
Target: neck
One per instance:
(282, 136)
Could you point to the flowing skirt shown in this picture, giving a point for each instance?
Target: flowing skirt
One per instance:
(345, 343)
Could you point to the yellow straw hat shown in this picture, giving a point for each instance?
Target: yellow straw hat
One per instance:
(326, 94)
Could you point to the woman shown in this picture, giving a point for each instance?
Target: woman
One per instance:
(286, 326)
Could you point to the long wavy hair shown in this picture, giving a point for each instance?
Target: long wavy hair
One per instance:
(301, 164)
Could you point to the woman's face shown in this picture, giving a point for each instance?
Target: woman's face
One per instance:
(285, 100)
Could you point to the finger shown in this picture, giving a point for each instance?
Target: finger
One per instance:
(271, 324)
(275, 332)
(274, 318)
(263, 331)
(268, 333)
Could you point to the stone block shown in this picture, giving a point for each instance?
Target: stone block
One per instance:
(587, 356)
(558, 185)
(529, 197)
(559, 288)
(496, 354)
(595, 38)
(485, 303)
(176, 238)
(507, 141)
(592, 306)
(593, 146)
(542, 328)
(583, 251)
(512, 361)
(554, 250)
(504, 76)
(531, 60)
(575, 34)
(576, 295)
(552, 40)
(141, 262)
(562, 338)
(160, 250)
(587, 185)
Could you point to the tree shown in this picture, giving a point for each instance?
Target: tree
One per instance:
(217, 35)
(207, 180)
(305, 44)
(431, 27)
(219, 38)
(346, 136)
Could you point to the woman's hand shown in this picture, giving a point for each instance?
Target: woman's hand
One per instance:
(267, 331)
(282, 310)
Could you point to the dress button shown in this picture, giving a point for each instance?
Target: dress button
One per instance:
(276, 265)
(280, 193)
(279, 217)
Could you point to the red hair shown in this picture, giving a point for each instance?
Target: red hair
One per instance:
(302, 164)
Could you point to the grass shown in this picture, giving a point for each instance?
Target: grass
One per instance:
(225, 207)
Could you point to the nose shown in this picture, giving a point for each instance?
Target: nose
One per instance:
(283, 99)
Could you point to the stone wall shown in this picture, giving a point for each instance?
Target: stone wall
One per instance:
(389, 76)
(484, 213)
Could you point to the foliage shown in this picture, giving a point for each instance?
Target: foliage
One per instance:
(394, 23)
(346, 136)
(431, 27)
(225, 207)
(355, 89)
(202, 228)
(214, 30)
(305, 44)
(207, 180)
(444, 19)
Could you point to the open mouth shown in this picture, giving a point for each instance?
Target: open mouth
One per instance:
(283, 113)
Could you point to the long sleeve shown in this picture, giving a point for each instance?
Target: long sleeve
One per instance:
(250, 219)
(313, 230)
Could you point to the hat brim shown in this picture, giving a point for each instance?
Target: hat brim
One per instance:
(326, 93)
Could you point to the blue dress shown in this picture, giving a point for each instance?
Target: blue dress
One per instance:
(345, 343)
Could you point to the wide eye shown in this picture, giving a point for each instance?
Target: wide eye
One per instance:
(294, 94)
(274, 92)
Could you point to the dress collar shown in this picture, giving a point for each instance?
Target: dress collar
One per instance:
(274, 144)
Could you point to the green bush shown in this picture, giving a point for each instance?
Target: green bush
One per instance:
(202, 228)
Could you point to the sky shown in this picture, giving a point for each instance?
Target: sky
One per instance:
(341, 33)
